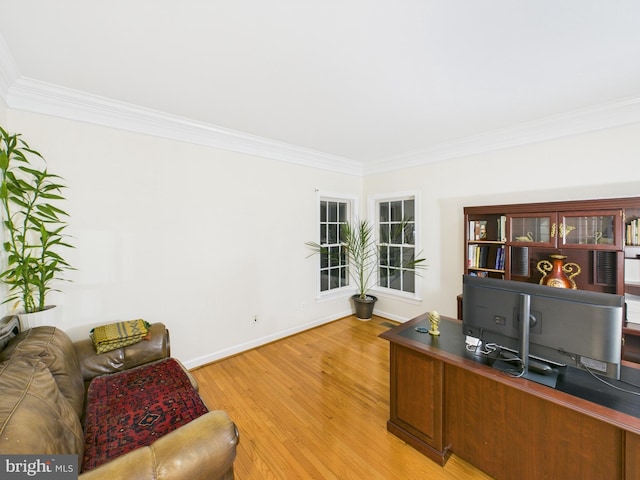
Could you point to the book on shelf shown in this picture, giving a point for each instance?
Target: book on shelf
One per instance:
(483, 256)
(633, 307)
(486, 256)
(478, 230)
(502, 228)
(475, 256)
(500, 258)
(631, 270)
(632, 234)
(479, 274)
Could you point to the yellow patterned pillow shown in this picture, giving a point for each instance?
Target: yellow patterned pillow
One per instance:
(119, 334)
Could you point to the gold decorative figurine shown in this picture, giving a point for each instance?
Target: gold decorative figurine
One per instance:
(434, 319)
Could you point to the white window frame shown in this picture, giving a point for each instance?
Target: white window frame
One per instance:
(352, 202)
(374, 217)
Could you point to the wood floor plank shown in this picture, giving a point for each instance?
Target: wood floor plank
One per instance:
(315, 406)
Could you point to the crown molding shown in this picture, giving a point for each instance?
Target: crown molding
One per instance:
(47, 99)
(43, 98)
(597, 117)
(22, 93)
(31, 95)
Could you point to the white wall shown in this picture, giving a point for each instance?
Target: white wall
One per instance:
(204, 239)
(198, 238)
(3, 123)
(3, 113)
(594, 165)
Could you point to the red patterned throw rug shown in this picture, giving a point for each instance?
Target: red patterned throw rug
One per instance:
(134, 408)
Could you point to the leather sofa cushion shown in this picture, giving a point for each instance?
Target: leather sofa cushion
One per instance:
(155, 346)
(35, 418)
(55, 349)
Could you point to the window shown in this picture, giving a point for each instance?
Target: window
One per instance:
(397, 243)
(334, 265)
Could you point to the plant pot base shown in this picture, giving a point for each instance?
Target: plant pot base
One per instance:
(364, 307)
(48, 316)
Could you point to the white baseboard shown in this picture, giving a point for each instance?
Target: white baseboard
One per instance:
(243, 347)
(391, 316)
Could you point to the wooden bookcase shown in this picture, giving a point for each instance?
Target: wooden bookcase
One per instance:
(601, 236)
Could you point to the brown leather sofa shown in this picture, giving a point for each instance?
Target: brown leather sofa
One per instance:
(43, 381)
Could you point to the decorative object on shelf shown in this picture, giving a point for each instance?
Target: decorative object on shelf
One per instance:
(601, 238)
(483, 231)
(434, 319)
(520, 261)
(525, 238)
(605, 269)
(566, 229)
(557, 273)
(33, 228)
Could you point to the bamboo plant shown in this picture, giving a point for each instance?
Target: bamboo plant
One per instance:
(34, 228)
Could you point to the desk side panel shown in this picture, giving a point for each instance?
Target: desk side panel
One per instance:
(416, 400)
(632, 456)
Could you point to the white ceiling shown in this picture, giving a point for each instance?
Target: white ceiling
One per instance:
(367, 82)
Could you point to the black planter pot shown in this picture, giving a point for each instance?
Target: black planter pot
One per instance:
(364, 307)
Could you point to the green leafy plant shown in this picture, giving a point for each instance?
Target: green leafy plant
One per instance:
(34, 226)
(363, 252)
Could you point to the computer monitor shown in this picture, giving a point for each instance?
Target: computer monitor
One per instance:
(579, 328)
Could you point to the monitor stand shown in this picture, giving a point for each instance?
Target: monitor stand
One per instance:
(533, 370)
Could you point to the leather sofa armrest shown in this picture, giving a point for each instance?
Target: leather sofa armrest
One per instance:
(203, 449)
(154, 347)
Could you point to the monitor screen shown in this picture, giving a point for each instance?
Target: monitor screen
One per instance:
(578, 328)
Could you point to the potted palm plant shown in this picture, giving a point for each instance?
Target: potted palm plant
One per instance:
(34, 229)
(363, 253)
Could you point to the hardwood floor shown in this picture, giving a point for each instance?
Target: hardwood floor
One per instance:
(315, 406)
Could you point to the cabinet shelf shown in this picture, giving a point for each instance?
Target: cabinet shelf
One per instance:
(632, 288)
(479, 269)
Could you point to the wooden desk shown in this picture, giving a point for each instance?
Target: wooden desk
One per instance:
(445, 399)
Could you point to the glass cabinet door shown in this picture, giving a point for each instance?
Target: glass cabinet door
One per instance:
(600, 230)
(532, 229)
